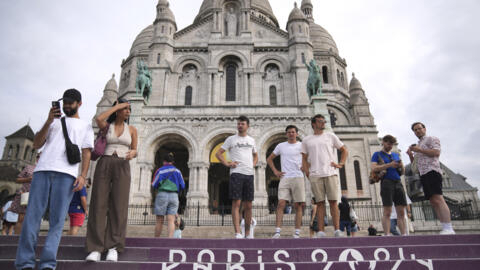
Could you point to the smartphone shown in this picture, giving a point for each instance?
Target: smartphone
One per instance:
(56, 104)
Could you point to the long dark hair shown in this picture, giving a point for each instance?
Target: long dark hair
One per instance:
(113, 116)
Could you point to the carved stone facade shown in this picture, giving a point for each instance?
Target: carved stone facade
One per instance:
(236, 60)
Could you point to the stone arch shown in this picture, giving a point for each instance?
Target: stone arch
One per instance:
(219, 58)
(273, 59)
(341, 113)
(213, 139)
(221, 4)
(163, 135)
(189, 59)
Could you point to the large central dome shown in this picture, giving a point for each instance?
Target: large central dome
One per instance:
(261, 5)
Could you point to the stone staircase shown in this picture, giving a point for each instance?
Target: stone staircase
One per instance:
(457, 252)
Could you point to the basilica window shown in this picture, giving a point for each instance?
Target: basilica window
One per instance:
(231, 81)
(343, 178)
(342, 79)
(163, 29)
(159, 58)
(26, 152)
(273, 95)
(32, 156)
(300, 28)
(358, 177)
(188, 95)
(325, 74)
(17, 152)
(10, 152)
(338, 78)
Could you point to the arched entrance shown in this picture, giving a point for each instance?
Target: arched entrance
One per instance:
(181, 154)
(218, 180)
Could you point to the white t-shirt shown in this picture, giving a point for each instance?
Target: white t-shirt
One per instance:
(241, 150)
(54, 156)
(290, 158)
(321, 153)
(9, 215)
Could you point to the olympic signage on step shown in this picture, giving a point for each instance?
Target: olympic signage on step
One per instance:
(236, 259)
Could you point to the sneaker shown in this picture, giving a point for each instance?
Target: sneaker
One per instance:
(447, 232)
(112, 255)
(239, 236)
(338, 233)
(296, 236)
(94, 256)
(250, 236)
(320, 234)
(276, 235)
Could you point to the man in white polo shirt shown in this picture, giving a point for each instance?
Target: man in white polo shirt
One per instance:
(292, 184)
(318, 151)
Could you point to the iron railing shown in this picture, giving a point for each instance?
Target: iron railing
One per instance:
(198, 215)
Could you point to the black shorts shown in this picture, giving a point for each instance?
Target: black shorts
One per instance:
(392, 192)
(432, 184)
(241, 187)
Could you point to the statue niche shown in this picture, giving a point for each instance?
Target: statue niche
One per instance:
(231, 22)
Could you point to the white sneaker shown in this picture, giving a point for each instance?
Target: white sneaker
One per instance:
(276, 235)
(250, 236)
(338, 233)
(447, 232)
(320, 234)
(94, 256)
(296, 235)
(239, 236)
(112, 255)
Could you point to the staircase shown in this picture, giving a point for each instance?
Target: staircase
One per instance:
(458, 252)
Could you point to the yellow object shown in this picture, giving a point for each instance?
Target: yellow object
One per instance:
(213, 158)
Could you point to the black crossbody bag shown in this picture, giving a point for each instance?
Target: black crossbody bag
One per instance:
(73, 152)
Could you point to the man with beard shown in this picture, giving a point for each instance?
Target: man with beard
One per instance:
(426, 155)
(243, 154)
(318, 162)
(391, 188)
(54, 181)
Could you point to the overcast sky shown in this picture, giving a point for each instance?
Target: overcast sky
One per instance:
(417, 60)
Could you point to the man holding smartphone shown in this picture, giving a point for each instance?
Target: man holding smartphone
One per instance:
(427, 154)
(54, 181)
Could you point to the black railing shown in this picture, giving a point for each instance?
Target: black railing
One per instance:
(198, 215)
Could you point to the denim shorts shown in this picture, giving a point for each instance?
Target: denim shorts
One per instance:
(166, 203)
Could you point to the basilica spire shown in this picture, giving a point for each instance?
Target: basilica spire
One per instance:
(307, 9)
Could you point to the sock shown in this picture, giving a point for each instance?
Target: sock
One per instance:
(447, 226)
(277, 230)
(297, 231)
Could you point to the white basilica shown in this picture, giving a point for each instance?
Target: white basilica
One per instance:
(235, 59)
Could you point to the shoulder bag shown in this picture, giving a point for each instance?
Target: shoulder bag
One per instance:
(376, 177)
(100, 143)
(73, 152)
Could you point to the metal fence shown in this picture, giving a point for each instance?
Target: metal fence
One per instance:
(198, 215)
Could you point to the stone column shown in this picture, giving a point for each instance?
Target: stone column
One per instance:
(261, 196)
(198, 179)
(246, 94)
(140, 185)
(320, 107)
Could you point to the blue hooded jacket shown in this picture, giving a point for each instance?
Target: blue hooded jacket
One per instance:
(168, 173)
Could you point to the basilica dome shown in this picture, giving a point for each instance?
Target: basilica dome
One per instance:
(143, 40)
(261, 5)
(321, 39)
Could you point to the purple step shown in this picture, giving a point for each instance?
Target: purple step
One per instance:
(269, 243)
(253, 255)
(438, 264)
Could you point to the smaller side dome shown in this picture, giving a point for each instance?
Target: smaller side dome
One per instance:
(296, 14)
(164, 13)
(112, 84)
(355, 83)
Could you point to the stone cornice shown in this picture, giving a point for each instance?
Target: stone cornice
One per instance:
(270, 49)
(232, 118)
(191, 49)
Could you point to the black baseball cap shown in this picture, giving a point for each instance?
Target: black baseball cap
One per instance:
(72, 95)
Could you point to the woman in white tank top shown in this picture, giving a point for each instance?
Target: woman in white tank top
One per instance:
(107, 223)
